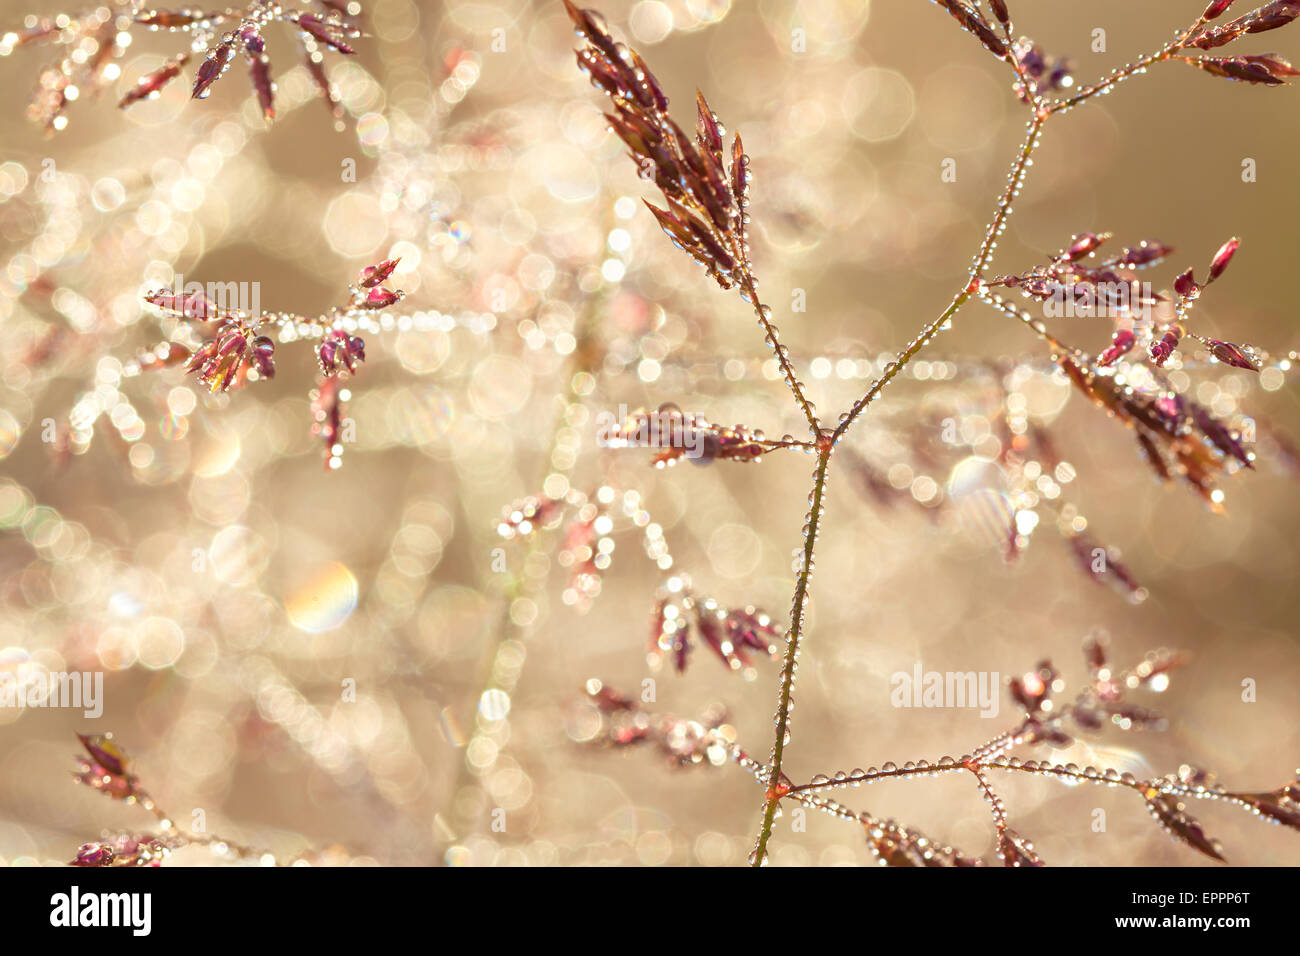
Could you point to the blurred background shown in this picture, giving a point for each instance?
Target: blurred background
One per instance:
(196, 549)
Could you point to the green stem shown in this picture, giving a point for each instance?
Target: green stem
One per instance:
(779, 351)
(893, 368)
(827, 443)
(797, 610)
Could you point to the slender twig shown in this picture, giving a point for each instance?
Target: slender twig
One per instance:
(797, 610)
(976, 287)
(996, 808)
(1037, 326)
(982, 257)
(764, 314)
(1015, 181)
(1127, 72)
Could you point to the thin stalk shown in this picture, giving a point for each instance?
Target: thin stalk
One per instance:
(1037, 326)
(782, 358)
(798, 607)
(976, 287)
(1133, 69)
(779, 351)
(996, 807)
(893, 368)
(983, 256)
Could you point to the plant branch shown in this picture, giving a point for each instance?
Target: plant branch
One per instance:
(773, 337)
(797, 611)
(983, 256)
(1129, 71)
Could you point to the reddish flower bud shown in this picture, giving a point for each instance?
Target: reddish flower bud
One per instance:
(259, 70)
(1173, 816)
(1278, 66)
(707, 130)
(1146, 253)
(371, 276)
(233, 342)
(1218, 434)
(1121, 343)
(338, 351)
(105, 767)
(104, 752)
(1185, 286)
(607, 699)
(219, 361)
(149, 84)
(1034, 689)
(326, 353)
(976, 24)
(1216, 9)
(1270, 16)
(196, 306)
(251, 37)
(381, 298)
(1084, 244)
(730, 633)
(1230, 354)
(327, 92)
(94, 854)
(210, 70)
(263, 356)
(1222, 258)
(1161, 350)
(226, 372)
(329, 32)
(1269, 69)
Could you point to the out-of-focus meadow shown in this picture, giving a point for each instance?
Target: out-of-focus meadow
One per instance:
(197, 551)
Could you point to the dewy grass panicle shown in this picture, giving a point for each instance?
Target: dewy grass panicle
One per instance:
(1141, 373)
(705, 215)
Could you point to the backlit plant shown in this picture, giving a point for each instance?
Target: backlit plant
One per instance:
(560, 316)
(96, 40)
(706, 191)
